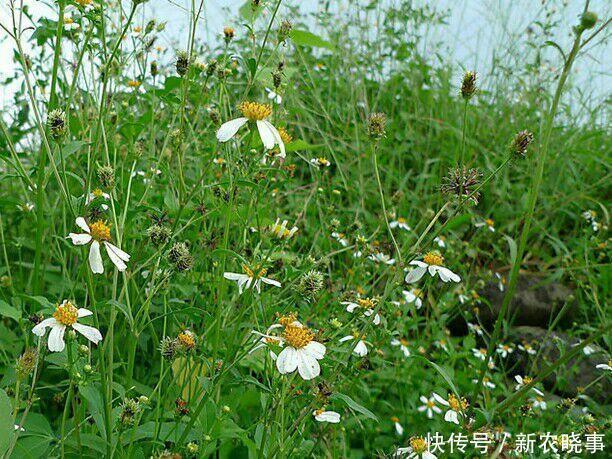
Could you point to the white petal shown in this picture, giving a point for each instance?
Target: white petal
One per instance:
(327, 416)
(350, 307)
(91, 333)
(265, 280)
(423, 399)
(80, 238)
(316, 350)
(267, 137)
(287, 360)
(82, 312)
(277, 138)
(415, 274)
(229, 129)
(399, 429)
(80, 221)
(56, 338)
(118, 262)
(446, 274)
(41, 328)
(361, 349)
(120, 253)
(95, 259)
(346, 338)
(308, 367)
(451, 416)
(439, 399)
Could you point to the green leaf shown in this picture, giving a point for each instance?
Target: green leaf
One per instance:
(304, 38)
(6, 310)
(352, 404)
(7, 428)
(300, 144)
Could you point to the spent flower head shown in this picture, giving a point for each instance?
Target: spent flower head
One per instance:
(520, 143)
(462, 183)
(468, 85)
(376, 125)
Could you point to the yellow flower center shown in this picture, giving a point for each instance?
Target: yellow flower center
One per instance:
(457, 404)
(401, 220)
(100, 231)
(187, 339)
(489, 222)
(256, 272)
(288, 319)
(417, 292)
(430, 403)
(133, 83)
(368, 303)
(66, 313)
(68, 20)
(403, 341)
(255, 111)
(394, 419)
(297, 337)
(98, 193)
(84, 2)
(527, 380)
(284, 135)
(418, 445)
(433, 258)
(323, 162)
(482, 351)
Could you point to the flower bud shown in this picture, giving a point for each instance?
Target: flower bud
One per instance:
(56, 120)
(521, 142)
(588, 20)
(106, 176)
(468, 85)
(228, 34)
(182, 63)
(284, 30)
(180, 256)
(376, 125)
(83, 349)
(154, 69)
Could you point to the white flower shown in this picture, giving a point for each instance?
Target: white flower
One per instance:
(456, 407)
(504, 350)
(605, 366)
(522, 381)
(66, 315)
(26, 207)
(320, 162)
(440, 241)
(255, 113)
(252, 278)
(488, 223)
(340, 238)
(99, 233)
(274, 97)
(400, 223)
(403, 345)
(480, 353)
(281, 231)
(380, 257)
(326, 416)
(367, 304)
(360, 348)
(485, 382)
(97, 193)
(432, 263)
(414, 295)
(501, 282)
(526, 347)
(429, 406)
(19, 428)
(399, 429)
(419, 448)
(476, 329)
(588, 350)
(300, 352)
(539, 402)
(69, 23)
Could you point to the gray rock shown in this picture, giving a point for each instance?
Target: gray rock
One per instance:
(535, 302)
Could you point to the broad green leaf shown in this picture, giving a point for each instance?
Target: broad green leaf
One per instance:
(304, 38)
(6, 310)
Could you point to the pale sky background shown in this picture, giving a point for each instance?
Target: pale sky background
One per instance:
(476, 30)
